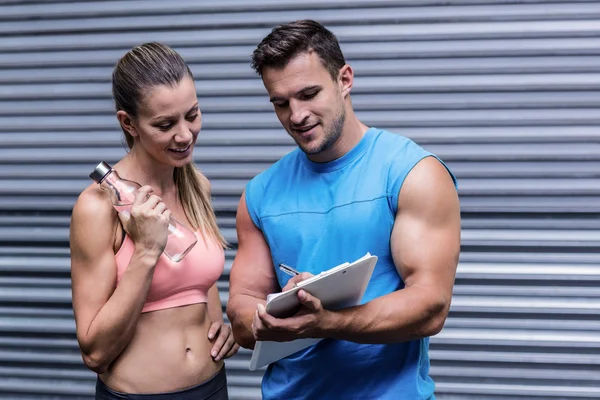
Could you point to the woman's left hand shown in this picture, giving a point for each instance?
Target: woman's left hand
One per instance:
(224, 345)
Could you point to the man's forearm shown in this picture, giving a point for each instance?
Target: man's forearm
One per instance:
(407, 314)
(240, 311)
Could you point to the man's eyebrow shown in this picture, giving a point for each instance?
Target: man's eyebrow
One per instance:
(193, 108)
(304, 89)
(276, 98)
(309, 88)
(161, 117)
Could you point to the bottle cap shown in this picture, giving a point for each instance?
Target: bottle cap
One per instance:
(100, 172)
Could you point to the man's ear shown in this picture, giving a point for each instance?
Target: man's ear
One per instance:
(127, 123)
(346, 80)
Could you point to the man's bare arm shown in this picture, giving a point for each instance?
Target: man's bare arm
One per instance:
(425, 246)
(252, 277)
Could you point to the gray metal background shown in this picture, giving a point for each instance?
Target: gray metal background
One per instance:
(506, 91)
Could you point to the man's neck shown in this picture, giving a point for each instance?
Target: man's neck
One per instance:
(352, 133)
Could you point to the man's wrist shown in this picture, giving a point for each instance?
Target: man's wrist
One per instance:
(333, 324)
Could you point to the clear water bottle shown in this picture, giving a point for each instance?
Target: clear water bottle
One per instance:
(122, 192)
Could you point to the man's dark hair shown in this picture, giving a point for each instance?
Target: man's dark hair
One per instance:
(287, 41)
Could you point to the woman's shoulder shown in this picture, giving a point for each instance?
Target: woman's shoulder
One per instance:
(93, 205)
(93, 222)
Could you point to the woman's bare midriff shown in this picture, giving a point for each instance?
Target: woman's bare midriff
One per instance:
(170, 350)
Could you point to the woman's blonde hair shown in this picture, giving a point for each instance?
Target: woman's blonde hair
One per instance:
(142, 68)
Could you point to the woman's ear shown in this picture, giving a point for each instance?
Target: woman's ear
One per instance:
(127, 123)
(346, 79)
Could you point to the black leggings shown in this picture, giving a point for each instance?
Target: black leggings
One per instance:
(213, 389)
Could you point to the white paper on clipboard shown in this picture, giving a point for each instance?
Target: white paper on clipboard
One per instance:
(339, 287)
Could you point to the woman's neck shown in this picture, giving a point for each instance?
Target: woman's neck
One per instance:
(140, 167)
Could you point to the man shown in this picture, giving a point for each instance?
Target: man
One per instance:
(349, 189)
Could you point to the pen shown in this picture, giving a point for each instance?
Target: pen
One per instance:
(288, 270)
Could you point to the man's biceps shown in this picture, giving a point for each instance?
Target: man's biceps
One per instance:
(243, 218)
(254, 280)
(253, 261)
(424, 276)
(418, 252)
(244, 295)
(249, 270)
(251, 239)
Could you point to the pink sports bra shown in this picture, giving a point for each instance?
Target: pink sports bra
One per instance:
(180, 283)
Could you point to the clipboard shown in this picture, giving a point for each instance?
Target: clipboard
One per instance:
(339, 287)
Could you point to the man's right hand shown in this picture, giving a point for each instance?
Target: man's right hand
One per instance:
(296, 279)
(148, 222)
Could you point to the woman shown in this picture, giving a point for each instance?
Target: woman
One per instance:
(151, 328)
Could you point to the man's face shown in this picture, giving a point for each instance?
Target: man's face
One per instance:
(307, 101)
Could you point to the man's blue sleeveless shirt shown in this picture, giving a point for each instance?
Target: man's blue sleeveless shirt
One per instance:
(315, 216)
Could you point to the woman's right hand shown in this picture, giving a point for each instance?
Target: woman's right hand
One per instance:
(148, 222)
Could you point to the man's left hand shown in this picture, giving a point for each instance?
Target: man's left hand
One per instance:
(309, 321)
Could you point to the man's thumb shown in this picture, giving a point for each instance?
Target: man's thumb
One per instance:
(307, 300)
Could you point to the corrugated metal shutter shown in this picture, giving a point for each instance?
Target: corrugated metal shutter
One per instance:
(505, 91)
